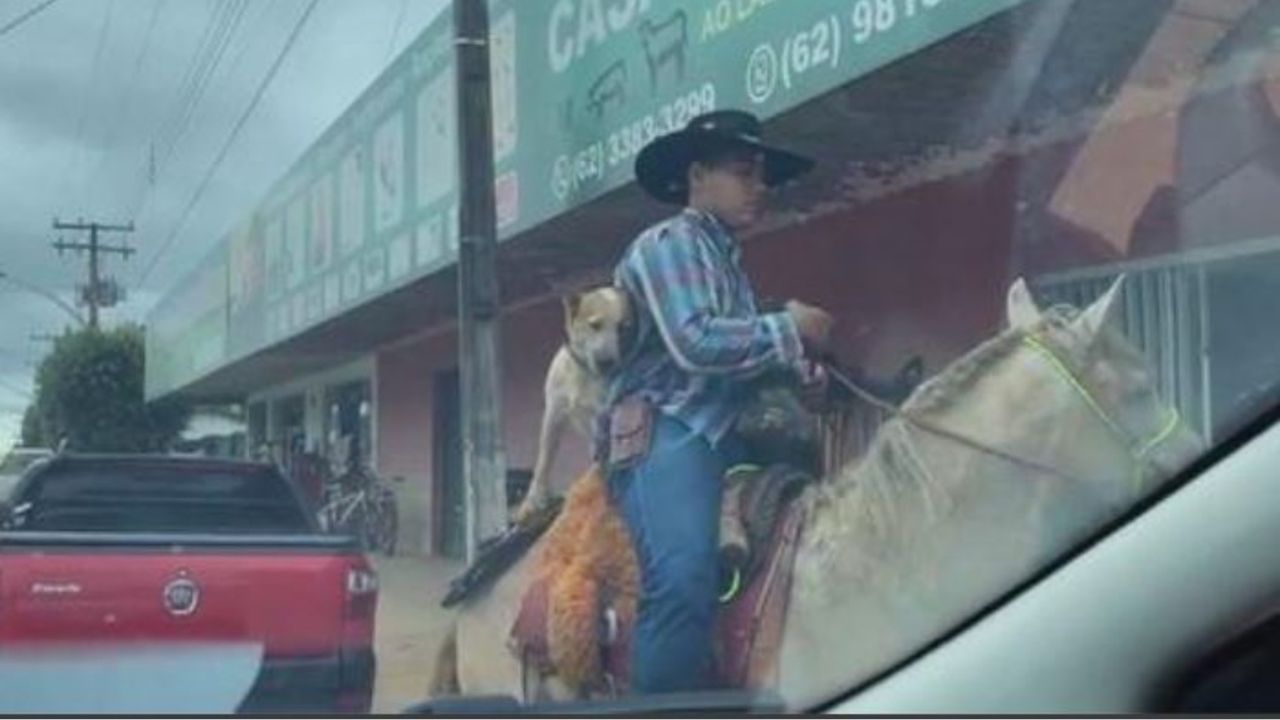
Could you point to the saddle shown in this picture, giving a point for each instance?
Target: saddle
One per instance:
(576, 617)
(753, 501)
(586, 574)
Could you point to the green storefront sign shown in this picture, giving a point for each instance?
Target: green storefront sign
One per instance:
(579, 86)
(595, 80)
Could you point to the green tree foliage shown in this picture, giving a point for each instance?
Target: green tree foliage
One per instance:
(89, 390)
(32, 430)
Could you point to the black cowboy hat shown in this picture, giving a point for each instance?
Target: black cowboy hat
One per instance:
(662, 167)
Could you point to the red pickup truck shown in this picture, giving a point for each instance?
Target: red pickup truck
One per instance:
(98, 549)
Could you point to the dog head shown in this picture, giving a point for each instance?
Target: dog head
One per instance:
(597, 323)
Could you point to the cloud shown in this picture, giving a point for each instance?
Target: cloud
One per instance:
(53, 164)
(48, 168)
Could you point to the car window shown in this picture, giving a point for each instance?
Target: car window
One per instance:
(676, 345)
(159, 500)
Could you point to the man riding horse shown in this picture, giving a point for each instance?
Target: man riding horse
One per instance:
(665, 437)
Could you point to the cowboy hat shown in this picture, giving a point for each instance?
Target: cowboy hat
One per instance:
(662, 167)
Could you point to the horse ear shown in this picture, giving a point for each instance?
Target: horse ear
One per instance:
(1102, 311)
(1022, 309)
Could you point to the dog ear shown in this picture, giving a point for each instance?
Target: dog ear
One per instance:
(571, 303)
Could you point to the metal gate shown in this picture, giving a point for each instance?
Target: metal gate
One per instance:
(1166, 314)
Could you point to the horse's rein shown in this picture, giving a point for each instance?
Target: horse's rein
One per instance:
(911, 419)
(1139, 456)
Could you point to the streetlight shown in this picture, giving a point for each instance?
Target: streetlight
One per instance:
(46, 295)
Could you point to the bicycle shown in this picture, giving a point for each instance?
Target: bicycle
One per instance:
(360, 504)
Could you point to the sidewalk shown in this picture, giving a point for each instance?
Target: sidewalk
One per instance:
(410, 627)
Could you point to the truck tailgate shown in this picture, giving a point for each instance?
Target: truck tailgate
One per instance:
(290, 599)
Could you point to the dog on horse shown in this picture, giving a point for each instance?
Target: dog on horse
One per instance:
(598, 324)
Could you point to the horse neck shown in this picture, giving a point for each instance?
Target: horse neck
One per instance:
(922, 530)
(910, 481)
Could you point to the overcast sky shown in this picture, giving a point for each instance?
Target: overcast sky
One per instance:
(92, 90)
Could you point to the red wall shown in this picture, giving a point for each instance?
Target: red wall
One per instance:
(406, 378)
(922, 273)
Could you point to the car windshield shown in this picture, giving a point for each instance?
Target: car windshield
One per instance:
(639, 346)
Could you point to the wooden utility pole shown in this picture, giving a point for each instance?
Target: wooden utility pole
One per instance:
(484, 460)
(98, 292)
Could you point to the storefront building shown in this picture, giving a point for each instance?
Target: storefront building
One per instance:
(961, 144)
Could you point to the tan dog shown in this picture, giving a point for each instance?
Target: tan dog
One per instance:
(597, 323)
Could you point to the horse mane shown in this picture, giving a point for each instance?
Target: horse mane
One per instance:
(872, 497)
(954, 381)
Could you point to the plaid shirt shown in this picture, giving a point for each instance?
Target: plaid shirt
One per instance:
(699, 334)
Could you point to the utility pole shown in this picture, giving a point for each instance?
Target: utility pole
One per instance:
(484, 460)
(97, 293)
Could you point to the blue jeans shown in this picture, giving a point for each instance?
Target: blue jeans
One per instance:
(671, 502)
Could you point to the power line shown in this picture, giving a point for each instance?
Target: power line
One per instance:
(77, 148)
(127, 110)
(146, 171)
(164, 121)
(146, 46)
(14, 23)
(212, 47)
(226, 147)
(191, 78)
(200, 84)
(210, 27)
(214, 43)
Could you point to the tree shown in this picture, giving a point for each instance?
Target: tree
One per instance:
(32, 430)
(89, 390)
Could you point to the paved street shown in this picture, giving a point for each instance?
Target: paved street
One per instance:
(410, 626)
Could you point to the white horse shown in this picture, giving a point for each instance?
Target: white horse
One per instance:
(925, 529)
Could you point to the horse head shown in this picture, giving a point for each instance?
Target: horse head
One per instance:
(1105, 399)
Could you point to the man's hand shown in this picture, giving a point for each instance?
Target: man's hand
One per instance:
(814, 325)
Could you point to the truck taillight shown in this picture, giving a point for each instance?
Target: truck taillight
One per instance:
(361, 581)
(362, 592)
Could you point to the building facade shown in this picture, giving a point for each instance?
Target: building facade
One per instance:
(961, 144)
